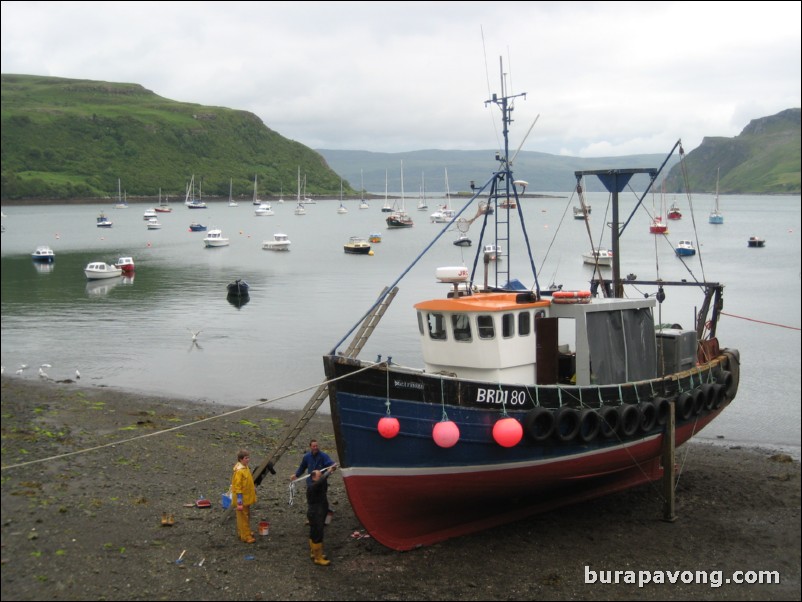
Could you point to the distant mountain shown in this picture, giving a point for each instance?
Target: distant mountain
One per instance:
(763, 159)
(543, 172)
(70, 138)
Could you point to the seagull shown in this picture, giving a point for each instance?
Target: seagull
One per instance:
(46, 366)
(77, 374)
(42, 373)
(23, 366)
(19, 371)
(194, 335)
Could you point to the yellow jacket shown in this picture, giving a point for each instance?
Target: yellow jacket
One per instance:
(242, 482)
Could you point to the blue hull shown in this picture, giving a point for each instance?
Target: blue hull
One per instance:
(408, 491)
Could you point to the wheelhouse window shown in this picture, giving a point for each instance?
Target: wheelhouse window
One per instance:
(507, 325)
(486, 328)
(524, 324)
(461, 325)
(420, 323)
(437, 326)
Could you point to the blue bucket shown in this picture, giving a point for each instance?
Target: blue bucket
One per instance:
(226, 501)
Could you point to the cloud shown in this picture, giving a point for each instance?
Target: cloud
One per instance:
(605, 77)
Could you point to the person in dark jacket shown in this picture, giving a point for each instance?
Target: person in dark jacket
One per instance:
(317, 509)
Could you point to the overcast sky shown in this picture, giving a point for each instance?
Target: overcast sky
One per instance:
(606, 78)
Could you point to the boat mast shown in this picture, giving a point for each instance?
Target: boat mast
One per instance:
(502, 186)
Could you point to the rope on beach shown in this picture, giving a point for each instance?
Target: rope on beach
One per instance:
(299, 479)
(188, 424)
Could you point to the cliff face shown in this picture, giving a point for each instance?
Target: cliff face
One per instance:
(763, 159)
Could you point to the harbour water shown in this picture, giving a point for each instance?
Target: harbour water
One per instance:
(136, 333)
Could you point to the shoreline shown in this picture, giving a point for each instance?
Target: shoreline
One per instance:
(88, 526)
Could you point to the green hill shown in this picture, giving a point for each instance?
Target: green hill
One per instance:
(69, 138)
(763, 159)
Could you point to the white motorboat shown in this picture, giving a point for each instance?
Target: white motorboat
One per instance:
(264, 209)
(99, 270)
(154, 224)
(603, 257)
(280, 242)
(215, 238)
(43, 254)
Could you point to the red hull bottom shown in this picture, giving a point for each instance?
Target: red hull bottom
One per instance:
(405, 511)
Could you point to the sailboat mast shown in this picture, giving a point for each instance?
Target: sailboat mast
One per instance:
(403, 206)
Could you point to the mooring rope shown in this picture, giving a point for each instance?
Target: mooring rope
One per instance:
(303, 478)
(188, 424)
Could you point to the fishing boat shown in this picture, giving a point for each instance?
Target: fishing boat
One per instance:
(197, 227)
(658, 226)
(503, 420)
(215, 238)
(238, 288)
(126, 264)
(43, 254)
(756, 241)
(674, 211)
(263, 209)
(357, 245)
(280, 242)
(98, 270)
(103, 221)
(493, 252)
(685, 248)
(375, 237)
(581, 212)
(600, 257)
(716, 216)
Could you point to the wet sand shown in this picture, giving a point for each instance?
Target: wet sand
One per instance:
(88, 526)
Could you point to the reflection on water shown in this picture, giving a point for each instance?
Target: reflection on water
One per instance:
(98, 288)
(135, 335)
(44, 268)
(238, 301)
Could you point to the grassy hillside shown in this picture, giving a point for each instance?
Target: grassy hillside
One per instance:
(763, 159)
(67, 138)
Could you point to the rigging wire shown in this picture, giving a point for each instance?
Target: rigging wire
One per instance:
(194, 423)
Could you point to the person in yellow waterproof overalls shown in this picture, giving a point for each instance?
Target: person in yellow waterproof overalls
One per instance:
(244, 492)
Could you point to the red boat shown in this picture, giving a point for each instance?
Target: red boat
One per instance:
(126, 264)
(658, 226)
(674, 212)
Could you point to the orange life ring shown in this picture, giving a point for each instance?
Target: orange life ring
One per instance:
(568, 297)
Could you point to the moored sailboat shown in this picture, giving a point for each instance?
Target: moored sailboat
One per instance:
(716, 216)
